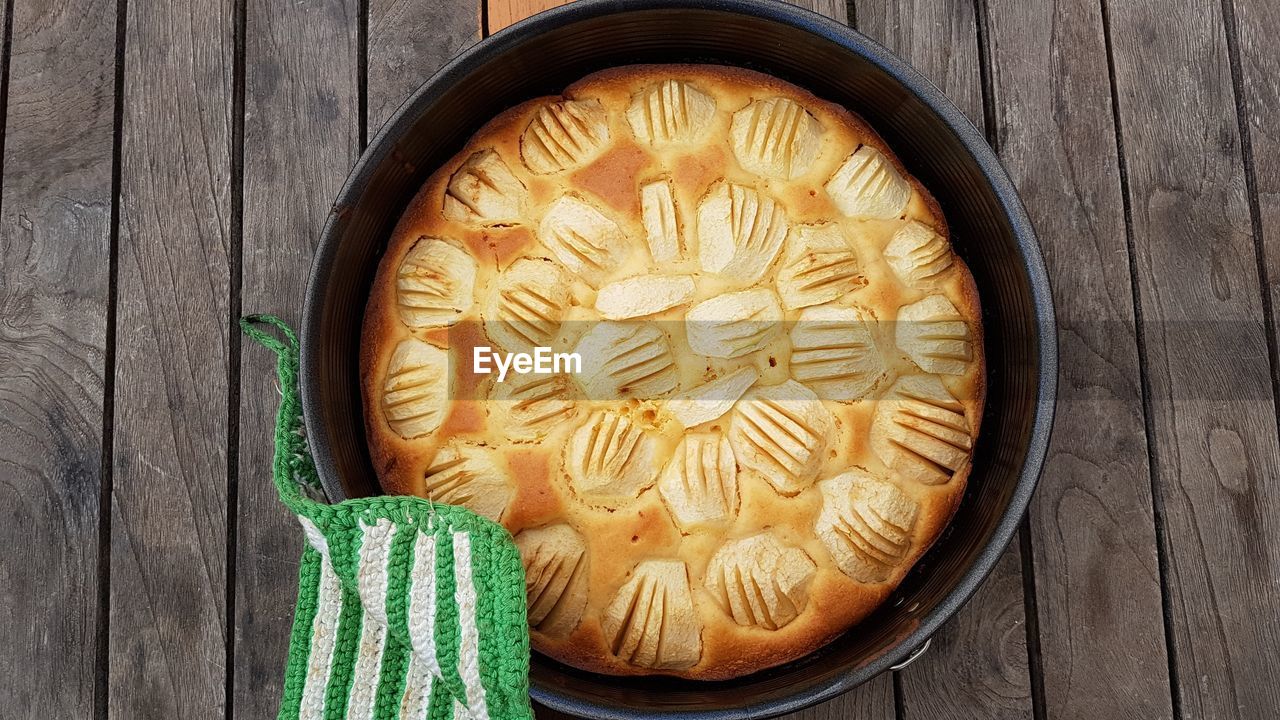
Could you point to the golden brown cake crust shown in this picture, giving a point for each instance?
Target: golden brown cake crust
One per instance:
(873, 507)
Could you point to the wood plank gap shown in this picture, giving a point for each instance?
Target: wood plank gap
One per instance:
(102, 638)
(899, 705)
(989, 128)
(1139, 325)
(851, 12)
(234, 305)
(484, 18)
(1031, 616)
(1251, 193)
(4, 78)
(362, 73)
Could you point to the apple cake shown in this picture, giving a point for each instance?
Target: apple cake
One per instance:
(780, 372)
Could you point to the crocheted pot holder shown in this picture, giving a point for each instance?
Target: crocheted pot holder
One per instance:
(407, 609)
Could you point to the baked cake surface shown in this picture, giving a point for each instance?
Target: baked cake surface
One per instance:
(781, 371)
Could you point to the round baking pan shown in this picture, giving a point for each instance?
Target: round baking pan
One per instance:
(989, 228)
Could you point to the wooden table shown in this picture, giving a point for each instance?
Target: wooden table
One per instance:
(167, 165)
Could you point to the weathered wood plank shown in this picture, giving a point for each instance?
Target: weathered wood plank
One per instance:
(301, 135)
(1212, 412)
(408, 41)
(873, 700)
(977, 665)
(501, 13)
(169, 515)
(55, 239)
(835, 9)
(938, 37)
(1258, 24)
(1093, 535)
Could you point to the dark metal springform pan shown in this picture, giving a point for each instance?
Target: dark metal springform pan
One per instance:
(937, 143)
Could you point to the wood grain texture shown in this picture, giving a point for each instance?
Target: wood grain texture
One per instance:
(55, 239)
(501, 13)
(169, 515)
(837, 10)
(1212, 417)
(873, 700)
(1093, 534)
(408, 41)
(1257, 25)
(301, 135)
(939, 38)
(977, 665)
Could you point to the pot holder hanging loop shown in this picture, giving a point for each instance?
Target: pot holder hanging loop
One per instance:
(407, 609)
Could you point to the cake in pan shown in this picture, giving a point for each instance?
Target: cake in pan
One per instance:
(780, 373)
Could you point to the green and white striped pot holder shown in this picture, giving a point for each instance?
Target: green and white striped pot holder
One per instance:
(407, 610)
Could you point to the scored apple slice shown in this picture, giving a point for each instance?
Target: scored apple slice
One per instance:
(643, 295)
(711, 400)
